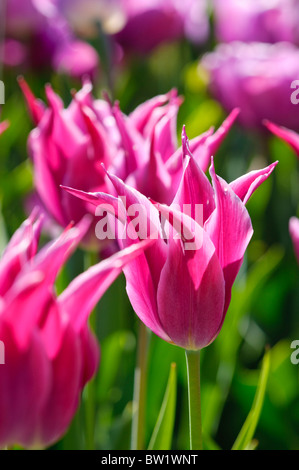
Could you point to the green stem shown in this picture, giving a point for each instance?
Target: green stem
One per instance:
(90, 259)
(193, 374)
(139, 399)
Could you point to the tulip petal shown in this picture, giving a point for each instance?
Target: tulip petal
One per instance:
(195, 190)
(230, 229)
(50, 258)
(20, 249)
(288, 135)
(206, 145)
(110, 203)
(64, 393)
(246, 185)
(22, 397)
(294, 232)
(142, 114)
(36, 107)
(191, 303)
(87, 289)
(216, 139)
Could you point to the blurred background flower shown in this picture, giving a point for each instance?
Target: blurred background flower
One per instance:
(50, 352)
(38, 36)
(256, 77)
(294, 231)
(259, 21)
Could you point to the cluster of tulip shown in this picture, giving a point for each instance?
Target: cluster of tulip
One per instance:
(181, 294)
(120, 185)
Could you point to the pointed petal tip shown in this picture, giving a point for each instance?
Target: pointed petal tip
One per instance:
(184, 134)
(235, 113)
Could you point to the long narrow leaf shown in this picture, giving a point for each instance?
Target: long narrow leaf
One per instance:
(248, 429)
(162, 435)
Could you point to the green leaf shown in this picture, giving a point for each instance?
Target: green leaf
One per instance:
(3, 233)
(162, 436)
(246, 434)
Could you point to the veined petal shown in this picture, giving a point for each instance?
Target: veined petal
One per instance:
(195, 191)
(230, 229)
(191, 302)
(111, 204)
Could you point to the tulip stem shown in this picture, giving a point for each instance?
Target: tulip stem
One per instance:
(139, 399)
(193, 374)
(90, 259)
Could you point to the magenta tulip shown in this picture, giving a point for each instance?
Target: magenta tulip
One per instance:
(256, 78)
(50, 353)
(185, 278)
(68, 146)
(260, 21)
(38, 36)
(294, 232)
(151, 23)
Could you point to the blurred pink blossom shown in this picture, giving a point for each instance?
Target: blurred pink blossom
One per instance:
(50, 352)
(37, 35)
(294, 232)
(150, 23)
(256, 78)
(256, 21)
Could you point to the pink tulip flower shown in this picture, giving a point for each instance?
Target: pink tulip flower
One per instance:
(151, 23)
(50, 353)
(294, 232)
(68, 146)
(260, 21)
(289, 136)
(185, 278)
(257, 78)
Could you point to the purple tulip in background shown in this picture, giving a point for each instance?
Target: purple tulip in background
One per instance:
(256, 21)
(38, 36)
(69, 145)
(152, 22)
(50, 353)
(294, 232)
(183, 292)
(257, 78)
